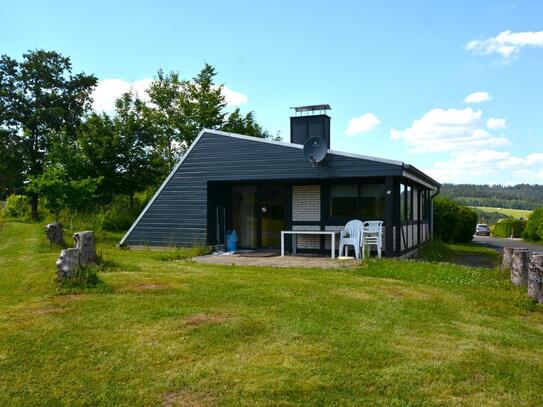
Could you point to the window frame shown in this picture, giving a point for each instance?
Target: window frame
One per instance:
(330, 219)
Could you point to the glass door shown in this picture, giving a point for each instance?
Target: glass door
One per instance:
(244, 219)
(271, 211)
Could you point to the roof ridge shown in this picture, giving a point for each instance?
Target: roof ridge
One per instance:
(299, 146)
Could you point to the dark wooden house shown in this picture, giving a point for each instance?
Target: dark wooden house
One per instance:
(259, 187)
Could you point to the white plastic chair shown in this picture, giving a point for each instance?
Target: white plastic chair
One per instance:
(372, 235)
(351, 235)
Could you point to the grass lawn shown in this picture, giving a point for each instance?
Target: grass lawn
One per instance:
(514, 213)
(163, 330)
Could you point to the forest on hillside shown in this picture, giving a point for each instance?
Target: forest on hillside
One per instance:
(520, 196)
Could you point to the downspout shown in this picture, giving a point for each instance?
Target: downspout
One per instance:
(432, 210)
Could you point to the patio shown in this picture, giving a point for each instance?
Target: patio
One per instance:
(277, 261)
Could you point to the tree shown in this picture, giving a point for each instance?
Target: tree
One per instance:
(61, 192)
(40, 96)
(204, 103)
(137, 158)
(166, 116)
(11, 163)
(246, 125)
(180, 109)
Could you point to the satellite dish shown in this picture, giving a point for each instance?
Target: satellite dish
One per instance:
(315, 150)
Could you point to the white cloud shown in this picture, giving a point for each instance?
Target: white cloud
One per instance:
(362, 124)
(234, 98)
(448, 130)
(494, 123)
(477, 97)
(507, 44)
(468, 166)
(109, 90)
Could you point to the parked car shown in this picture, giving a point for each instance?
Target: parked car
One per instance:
(482, 229)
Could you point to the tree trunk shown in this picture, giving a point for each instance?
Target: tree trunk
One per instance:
(53, 232)
(67, 263)
(519, 266)
(34, 207)
(507, 258)
(535, 277)
(85, 244)
(131, 201)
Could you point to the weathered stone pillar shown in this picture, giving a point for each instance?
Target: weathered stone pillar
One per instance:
(519, 266)
(53, 232)
(535, 277)
(507, 258)
(67, 263)
(85, 243)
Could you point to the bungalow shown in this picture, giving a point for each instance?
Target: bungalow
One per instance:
(259, 187)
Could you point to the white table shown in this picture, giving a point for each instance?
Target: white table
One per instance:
(331, 233)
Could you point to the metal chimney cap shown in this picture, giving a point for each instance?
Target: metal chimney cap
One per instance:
(311, 108)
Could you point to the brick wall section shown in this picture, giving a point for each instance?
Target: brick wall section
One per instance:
(306, 203)
(306, 206)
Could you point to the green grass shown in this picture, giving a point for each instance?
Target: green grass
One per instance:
(514, 213)
(173, 332)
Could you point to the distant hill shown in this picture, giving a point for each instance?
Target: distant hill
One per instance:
(521, 196)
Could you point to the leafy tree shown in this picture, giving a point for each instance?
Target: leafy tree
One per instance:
(11, 163)
(137, 159)
(179, 109)
(246, 125)
(61, 192)
(166, 115)
(204, 103)
(39, 96)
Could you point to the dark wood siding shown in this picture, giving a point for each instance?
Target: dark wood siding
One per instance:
(178, 216)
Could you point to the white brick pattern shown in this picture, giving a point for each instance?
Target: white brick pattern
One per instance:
(306, 203)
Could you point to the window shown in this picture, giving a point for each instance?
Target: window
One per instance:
(415, 204)
(409, 203)
(372, 201)
(354, 201)
(403, 193)
(343, 201)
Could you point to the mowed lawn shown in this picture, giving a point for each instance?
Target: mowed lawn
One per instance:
(514, 213)
(166, 331)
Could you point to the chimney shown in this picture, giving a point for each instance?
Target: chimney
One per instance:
(310, 121)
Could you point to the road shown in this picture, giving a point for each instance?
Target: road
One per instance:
(499, 243)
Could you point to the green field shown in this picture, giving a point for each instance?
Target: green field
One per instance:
(162, 330)
(514, 213)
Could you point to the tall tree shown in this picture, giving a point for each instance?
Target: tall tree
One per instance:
(40, 96)
(11, 163)
(204, 104)
(246, 125)
(179, 109)
(166, 116)
(137, 158)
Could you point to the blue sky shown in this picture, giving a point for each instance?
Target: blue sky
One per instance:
(402, 71)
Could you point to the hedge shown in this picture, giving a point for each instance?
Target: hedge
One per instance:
(453, 223)
(509, 228)
(534, 226)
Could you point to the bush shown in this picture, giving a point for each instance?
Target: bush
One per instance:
(509, 228)
(534, 226)
(17, 206)
(453, 223)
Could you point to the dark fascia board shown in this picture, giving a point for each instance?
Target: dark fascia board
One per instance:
(417, 175)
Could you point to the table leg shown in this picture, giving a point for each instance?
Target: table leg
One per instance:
(333, 245)
(282, 244)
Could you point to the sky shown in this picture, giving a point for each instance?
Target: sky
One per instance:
(454, 88)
